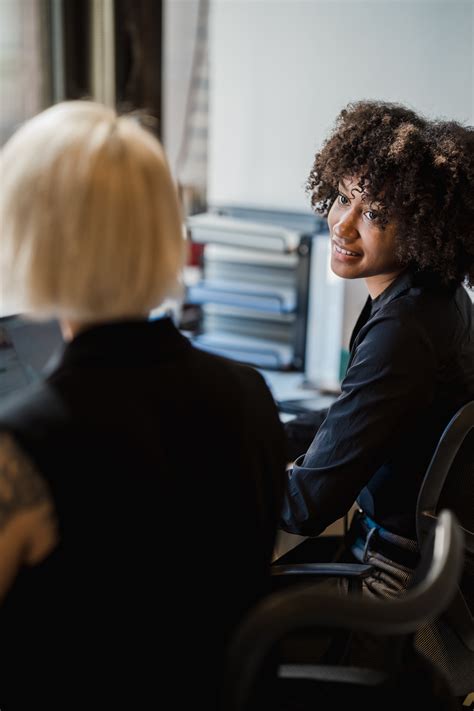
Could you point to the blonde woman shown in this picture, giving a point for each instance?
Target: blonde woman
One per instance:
(140, 482)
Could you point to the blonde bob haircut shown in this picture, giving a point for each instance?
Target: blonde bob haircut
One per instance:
(90, 226)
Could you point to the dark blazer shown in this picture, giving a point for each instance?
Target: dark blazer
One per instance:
(166, 467)
(411, 367)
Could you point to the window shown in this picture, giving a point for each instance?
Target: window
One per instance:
(24, 62)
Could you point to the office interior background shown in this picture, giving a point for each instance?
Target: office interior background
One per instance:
(242, 94)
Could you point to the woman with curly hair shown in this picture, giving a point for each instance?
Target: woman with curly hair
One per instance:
(398, 193)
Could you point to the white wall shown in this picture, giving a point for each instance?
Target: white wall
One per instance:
(281, 70)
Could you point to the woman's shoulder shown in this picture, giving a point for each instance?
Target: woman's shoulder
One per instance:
(425, 304)
(227, 370)
(426, 323)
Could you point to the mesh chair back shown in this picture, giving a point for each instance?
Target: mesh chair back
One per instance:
(449, 483)
(457, 493)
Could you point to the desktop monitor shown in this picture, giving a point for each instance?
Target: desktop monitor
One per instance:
(26, 347)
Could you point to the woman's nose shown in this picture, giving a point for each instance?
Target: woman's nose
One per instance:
(345, 227)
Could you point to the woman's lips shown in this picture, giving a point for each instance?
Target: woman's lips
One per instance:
(344, 254)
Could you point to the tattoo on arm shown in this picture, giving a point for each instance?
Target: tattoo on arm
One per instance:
(21, 486)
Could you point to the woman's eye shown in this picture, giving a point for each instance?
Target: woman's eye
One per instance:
(342, 199)
(371, 215)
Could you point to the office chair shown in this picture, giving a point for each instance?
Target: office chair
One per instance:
(259, 677)
(448, 483)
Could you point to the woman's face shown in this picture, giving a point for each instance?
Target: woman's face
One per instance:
(359, 245)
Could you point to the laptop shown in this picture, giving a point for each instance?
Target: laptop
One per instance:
(26, 347)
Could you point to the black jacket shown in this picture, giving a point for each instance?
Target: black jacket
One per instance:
(411, 367)
(166, 467)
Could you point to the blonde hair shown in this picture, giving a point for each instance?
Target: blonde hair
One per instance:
(90, 226)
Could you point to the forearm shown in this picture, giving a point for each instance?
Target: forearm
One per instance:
(380, 401)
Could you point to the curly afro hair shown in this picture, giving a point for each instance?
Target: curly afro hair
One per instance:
(421, 172)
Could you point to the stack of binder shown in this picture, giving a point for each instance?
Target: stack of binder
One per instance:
(255, 284)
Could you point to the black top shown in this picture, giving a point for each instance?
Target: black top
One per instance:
(411, 367)
(166, 467)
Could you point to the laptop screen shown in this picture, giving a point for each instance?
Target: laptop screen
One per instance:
(25, 349)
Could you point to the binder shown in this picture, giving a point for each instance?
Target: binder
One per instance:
(208, 227)
(255, 351)
(238, 255)
(247, 322)
(253, 296)
(250, 265)
(246, 313)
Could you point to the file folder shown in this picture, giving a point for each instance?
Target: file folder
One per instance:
(207, 227)
(248, 322)
(238, 294)
(254, 351)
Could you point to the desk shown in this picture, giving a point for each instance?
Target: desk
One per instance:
(286, 385)
(294, 386)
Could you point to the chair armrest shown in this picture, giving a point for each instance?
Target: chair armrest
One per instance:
(343, 570)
